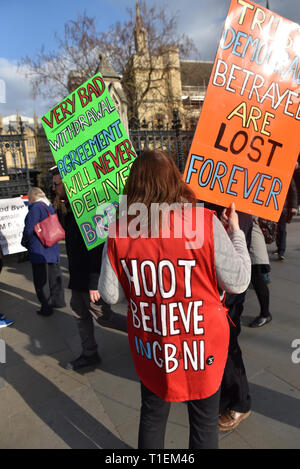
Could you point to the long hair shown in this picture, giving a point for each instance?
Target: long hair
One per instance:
(155, 179)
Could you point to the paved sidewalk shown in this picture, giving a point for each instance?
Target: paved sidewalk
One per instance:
(42, 405)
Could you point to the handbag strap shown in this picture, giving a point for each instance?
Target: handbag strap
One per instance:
(49, 213)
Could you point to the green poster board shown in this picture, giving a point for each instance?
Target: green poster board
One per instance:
(93, 154)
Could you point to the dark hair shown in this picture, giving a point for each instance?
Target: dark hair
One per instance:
(54, 170)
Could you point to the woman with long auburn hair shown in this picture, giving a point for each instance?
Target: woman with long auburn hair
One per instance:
(156, 166)
(177, 324)
(169, 188)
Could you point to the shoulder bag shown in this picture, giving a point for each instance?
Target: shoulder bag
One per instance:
(269, 229)
(49, 231)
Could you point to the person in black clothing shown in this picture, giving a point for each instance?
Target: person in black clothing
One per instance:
(235, 399)
(289, 210)
(84, 269)
(297, 181)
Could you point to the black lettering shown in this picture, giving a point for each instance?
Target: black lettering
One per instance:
(274, 146)
(255, 148)
(236, 151)
(219, 138)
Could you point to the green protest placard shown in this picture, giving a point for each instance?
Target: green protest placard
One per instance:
(93, 154)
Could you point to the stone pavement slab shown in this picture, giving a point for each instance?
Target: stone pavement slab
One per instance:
(43, 405)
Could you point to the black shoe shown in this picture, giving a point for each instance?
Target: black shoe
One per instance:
(83, 361)
(57, 306)
(260, 321)
(44, 312)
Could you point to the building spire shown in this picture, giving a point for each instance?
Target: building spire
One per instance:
(139, 32)
(139, 21)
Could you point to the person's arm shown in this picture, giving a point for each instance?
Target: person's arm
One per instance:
(94, 257)
(31, 219)
(232, 260)
(109, 286)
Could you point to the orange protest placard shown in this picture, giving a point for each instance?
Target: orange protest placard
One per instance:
(246, 143)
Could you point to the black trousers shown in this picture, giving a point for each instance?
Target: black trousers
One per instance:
(203, 419)
(281, 233)
(261, 289)
(48, 286)
(84, 311)
(234, 388)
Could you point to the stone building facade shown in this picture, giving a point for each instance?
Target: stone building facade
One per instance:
(32, 151)
(164, 82)
(112, 81)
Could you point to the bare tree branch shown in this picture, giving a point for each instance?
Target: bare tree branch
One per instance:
(78, 51)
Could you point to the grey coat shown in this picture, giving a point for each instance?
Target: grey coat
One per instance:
(258, 248)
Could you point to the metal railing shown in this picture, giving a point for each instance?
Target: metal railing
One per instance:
(19, 175)
(168, 137)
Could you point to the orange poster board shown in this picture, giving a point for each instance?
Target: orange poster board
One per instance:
(246, 143)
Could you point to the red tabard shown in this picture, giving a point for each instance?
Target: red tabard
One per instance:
(177, 326)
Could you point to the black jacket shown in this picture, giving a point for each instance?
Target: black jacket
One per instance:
(84, 265)
(297, 182)
(292, 196)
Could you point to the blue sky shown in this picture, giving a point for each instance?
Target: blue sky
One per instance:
(27, 25)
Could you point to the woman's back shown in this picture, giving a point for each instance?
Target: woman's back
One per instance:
(177, 325)
(38, 253)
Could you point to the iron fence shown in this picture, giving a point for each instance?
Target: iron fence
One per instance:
(168, 137)
(19, 177)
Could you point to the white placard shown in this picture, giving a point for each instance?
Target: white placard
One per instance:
(12, 216)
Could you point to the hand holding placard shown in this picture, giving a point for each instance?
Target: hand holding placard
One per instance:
(244, 149)
(229, 219)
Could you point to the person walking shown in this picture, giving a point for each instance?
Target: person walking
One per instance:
(235, 398)
(260, 267)
(289, 210)
(44, 260)
(84, 270)
(177, 325)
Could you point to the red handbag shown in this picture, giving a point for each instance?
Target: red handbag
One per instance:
(49, 231)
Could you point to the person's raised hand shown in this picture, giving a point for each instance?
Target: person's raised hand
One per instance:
(229, 219)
